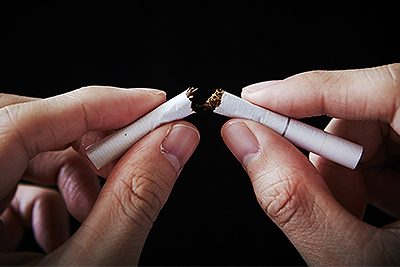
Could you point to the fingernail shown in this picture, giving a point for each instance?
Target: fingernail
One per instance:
(152, 91)
(241, 141)
(258, 86)
(179, 144)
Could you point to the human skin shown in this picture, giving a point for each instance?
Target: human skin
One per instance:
(317, 203)
(43, 141)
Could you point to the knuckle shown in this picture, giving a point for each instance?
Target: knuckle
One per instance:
(142, 196)
(283, 204)
(394, 71)
(9, 130)
(282, 198)
(47, 201)
(89, 88)
(88, 91)
(316, 78)
(393, 74)
(94, 89)
(148, 194)
(50, 197)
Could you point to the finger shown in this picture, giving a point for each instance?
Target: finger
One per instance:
(6, 200)
(33, 127)
(129, 202)
(78, 184)
(294, 195)
(383, 191)
(376, 179)
(6, 244)
(80, 145)
(8, 99)
(84, 142)
(395, 137)
(5, 239)
(347, 186)
(365, 94)
(382, 178)
(42, 209)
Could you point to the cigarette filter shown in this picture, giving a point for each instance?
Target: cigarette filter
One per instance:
(116, 144)
(331, 147)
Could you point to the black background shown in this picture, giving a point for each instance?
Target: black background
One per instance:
(212, 216)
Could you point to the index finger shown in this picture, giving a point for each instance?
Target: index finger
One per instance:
(30, 128)
(364, 94)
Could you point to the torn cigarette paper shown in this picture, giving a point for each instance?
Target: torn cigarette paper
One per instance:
(331, 147)
(116, 144)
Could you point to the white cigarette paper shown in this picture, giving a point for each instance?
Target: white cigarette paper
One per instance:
(331, 147)
(116, 144)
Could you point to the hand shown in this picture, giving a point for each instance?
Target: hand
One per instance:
(319, 204)
(36, 140)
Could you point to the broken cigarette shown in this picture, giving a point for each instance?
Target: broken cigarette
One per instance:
(331, 147)
(116, 144)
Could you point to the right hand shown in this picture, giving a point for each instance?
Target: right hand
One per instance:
(319, 205)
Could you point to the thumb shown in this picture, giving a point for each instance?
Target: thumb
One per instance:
(293, 194)
(136, 189)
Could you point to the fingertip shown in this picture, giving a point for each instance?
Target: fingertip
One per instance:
(44, 210)
(80, 188)
(50, 221)
(258, 86)
(155, 92)
(260, 93)
(77, 183)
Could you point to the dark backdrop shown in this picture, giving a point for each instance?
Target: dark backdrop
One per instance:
(212, 216)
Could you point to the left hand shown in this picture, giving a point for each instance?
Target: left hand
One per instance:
(37, 137)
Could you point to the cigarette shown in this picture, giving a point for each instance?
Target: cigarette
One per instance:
(116, 144)
(329, 146)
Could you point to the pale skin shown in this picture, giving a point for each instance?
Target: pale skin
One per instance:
(39, 140)
(317, 203)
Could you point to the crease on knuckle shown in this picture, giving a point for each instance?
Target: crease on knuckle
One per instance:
(284, 203)
(319, 82)
(10, 128)
(393, 72)
(143, 197)
(83, 112)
